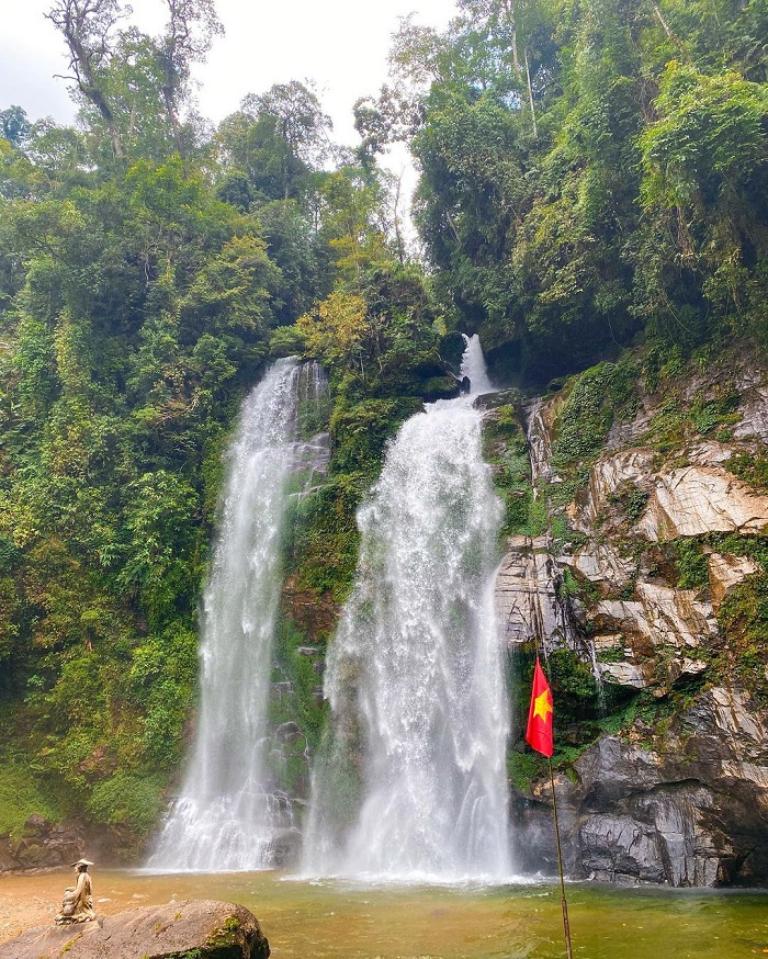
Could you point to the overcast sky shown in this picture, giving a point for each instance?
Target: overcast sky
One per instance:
(340, 44)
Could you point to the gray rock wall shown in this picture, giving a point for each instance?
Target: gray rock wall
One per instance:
(678, 796)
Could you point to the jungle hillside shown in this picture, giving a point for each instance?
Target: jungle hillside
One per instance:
(593, 187)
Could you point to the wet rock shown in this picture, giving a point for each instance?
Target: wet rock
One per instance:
(527, 601)
(492, 401)
(661, 841)
(203, 928)
(539, 420)
(288, 732)
(315, 614)
(725, 572)
(689, 809)
(285, 847)
(282, 689)
(694, 500)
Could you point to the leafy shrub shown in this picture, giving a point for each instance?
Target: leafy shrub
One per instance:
(127, 800)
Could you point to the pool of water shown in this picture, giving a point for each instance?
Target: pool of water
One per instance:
(345, 921)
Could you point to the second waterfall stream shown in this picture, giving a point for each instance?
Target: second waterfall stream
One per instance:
(231, 813)
(411, 781)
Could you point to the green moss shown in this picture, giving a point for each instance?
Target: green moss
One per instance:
(692, 565)
(743, 617)
(322, 551)
(595, 399)
(755, 547)
(525, 767)
(630, 500)
(127, 800)
(680, 420)
(22, 796)
(506, 449)
(297, 703)
(226, 942)
(752, 468)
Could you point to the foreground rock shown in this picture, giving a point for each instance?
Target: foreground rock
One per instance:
(201, 928)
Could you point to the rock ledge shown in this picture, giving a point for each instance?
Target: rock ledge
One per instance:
(204, 929)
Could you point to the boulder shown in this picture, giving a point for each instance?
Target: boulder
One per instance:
(202, 928)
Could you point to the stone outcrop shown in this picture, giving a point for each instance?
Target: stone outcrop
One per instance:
(726, 572)
(689, 808)
(679, 793)
(694, 500)
(42, 844)
(527, 600)
(203, 928)
(632, 467)
(658, 630)
(600, 563)
(754, 415)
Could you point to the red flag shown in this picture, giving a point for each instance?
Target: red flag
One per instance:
(539, 734)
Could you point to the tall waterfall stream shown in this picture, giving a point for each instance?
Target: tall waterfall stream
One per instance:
(411, 784)
(230, 812)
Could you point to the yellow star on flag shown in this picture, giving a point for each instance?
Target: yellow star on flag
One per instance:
(542, 705)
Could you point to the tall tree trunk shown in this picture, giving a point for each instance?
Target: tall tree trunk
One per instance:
(666, 27)
(530, 96)
(510, 7)
(69, 18)
(398, 232)
(173, 118)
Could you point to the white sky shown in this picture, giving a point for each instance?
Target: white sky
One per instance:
(341, 45)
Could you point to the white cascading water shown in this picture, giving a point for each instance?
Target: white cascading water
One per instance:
(230, 812)
(412, 785)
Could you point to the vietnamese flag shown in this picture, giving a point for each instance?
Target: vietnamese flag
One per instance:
(540, 734)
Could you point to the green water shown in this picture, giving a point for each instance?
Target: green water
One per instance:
(318, 921)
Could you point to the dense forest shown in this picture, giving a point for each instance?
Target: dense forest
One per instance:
(593, 177)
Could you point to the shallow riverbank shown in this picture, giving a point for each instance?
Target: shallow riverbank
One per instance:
(355, 922)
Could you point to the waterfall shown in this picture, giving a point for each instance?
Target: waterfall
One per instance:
(412, 781)
(230, 814)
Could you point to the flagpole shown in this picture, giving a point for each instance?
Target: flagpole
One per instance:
(548, 754)
(563, 900)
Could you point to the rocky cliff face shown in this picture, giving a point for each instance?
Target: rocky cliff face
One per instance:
(648, 567)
